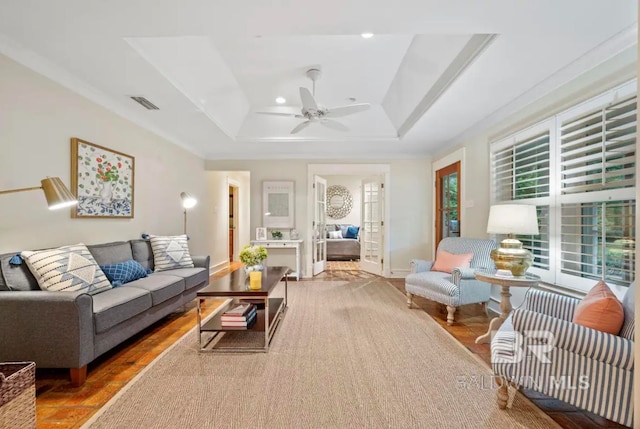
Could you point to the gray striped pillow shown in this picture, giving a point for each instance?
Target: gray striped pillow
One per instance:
(66, 269)
(170, 252)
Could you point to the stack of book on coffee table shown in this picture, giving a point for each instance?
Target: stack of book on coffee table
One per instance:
(242, 316)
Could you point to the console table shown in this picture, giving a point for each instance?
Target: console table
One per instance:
(285, 244)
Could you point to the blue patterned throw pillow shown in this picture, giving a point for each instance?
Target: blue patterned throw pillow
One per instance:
(124, 272)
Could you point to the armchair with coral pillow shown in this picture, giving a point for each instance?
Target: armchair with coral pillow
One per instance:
(450, 279)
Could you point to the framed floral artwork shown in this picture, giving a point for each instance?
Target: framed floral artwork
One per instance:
(103, 181)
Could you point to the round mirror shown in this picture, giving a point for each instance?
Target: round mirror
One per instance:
(339, 202)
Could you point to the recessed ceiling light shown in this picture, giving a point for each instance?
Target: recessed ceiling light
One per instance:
(281, 100)
(367, 35)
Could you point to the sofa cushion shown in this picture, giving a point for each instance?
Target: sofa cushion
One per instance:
(117, 305)
(434, 281)
(192, 276)
(446, 261)
(170, 252)
(142, 253)
(67, 269)
(352, 232)
(161, 287)
(600, 309)
(124, 272)
(16, 277)
(111, 253)
(335, 234)
(628, 305)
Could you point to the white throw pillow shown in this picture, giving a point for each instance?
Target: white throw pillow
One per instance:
(170, 252)
(335, 234)
(66, 269)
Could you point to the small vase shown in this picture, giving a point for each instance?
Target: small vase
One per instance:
(106, 194)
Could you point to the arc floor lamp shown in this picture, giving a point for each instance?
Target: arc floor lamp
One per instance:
(56, 193)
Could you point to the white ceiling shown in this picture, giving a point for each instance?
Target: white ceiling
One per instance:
(432, 72)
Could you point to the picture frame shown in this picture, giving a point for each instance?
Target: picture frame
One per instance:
(102, 180)
(278, 204)
(261, 233)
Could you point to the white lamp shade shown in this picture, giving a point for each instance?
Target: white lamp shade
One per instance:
(187, 200)
(513, 219)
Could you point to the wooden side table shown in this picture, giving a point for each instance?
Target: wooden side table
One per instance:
(528, 280)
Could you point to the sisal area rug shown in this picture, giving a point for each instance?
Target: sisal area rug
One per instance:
(347, 355)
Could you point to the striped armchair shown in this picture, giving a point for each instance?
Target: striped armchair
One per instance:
(455, 289)
(538, 347)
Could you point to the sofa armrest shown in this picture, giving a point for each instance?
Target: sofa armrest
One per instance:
(54, 329)
(201, 261)
(420, 265)
(460, 273)
(596, 345)
(551, 304)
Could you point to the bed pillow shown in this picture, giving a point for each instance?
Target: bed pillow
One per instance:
(124, 272)
(352, 232)
(170, 252)
(446, 262)
(600, 309)
(66, 269)
(343, 230)
(335, 234)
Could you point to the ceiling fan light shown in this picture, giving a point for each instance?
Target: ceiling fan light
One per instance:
(367, 35)
(281, 100)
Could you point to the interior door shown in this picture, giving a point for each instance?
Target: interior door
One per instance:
(448, 202)
(319, 223)
(371, 230)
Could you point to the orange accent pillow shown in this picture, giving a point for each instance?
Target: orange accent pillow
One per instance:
(600, 309)
(446, 261)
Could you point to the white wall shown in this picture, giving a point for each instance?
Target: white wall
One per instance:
(476, 172)
(354, 186)
(38, 117)
(411, 191)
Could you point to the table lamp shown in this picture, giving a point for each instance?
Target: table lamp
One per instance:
(57, 195)
(510, 258)
(187, 202)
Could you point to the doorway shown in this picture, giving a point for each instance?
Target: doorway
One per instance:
(447, 214)
(233, 220)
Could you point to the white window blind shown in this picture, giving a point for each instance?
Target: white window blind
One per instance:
(578, 169)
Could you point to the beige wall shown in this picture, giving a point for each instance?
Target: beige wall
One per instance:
(37, 119)
(411, 192)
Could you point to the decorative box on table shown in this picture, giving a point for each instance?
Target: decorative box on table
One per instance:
(17, 395)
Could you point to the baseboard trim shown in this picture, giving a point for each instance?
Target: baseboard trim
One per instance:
(222, 265)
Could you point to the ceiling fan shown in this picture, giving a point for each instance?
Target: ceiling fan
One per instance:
(317, 113)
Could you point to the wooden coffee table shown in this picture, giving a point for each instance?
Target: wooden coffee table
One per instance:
(235, 286)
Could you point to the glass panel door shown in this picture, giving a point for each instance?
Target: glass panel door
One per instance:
(319, 225)
(371, 231)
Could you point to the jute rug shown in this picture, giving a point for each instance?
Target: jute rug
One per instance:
(347, 355)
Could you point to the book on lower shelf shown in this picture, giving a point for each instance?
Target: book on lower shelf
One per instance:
(241, 313)
(241, 323)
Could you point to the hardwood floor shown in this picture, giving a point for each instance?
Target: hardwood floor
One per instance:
(59, 405)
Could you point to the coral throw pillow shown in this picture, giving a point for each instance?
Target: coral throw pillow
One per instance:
(601, 310)
(446, 261)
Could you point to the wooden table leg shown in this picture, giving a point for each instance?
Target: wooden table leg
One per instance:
(494, 325)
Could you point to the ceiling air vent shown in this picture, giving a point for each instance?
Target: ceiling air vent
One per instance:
(145, 103)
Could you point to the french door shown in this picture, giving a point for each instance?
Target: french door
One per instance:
(371, 231)
(448, 202)
(319, 225)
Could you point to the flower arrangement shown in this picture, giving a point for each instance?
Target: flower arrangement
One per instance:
(253, 255)
(107, 172)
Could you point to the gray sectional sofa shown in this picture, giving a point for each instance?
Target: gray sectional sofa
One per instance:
(71, 329)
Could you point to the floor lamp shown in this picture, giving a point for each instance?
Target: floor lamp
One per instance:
(56, 193)
(187, 202)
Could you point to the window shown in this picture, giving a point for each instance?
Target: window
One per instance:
(578, 168)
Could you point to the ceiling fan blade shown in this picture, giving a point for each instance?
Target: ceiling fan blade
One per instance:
(337, 112)
(300, 127)
(334, 125)
(289, 115)
(308, 102)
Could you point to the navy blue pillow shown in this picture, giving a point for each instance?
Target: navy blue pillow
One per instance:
(352, 232)
(124, 272)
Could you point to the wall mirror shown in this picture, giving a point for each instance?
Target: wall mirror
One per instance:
(277, 204)
(339, 202)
